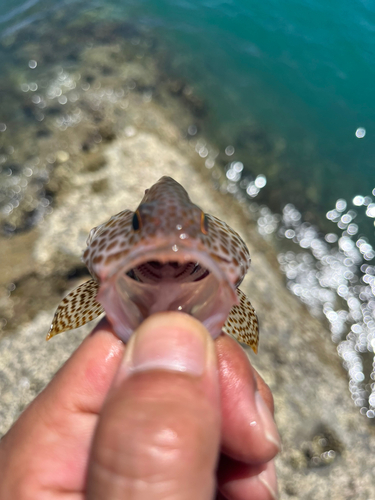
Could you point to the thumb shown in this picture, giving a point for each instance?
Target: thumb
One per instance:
(158, 435)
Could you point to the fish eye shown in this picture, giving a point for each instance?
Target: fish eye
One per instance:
(136, 221)
(204, 223)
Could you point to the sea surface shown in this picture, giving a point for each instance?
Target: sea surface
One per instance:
(288, 93)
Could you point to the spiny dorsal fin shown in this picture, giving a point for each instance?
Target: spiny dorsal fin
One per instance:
(242, 323)
(78, 308)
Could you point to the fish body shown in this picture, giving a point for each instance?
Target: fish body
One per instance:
(168, 255)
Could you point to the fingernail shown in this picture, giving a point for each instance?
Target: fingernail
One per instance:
(169, 342)
(268, 479)
(270, 429)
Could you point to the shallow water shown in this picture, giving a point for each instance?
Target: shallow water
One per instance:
(301, 71)
(289, 103)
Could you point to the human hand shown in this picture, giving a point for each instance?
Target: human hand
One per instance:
(171, 418)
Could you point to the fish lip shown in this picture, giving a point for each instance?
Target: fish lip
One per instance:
(167, 254)
(128, 302)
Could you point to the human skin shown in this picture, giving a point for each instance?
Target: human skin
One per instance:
(172, 415)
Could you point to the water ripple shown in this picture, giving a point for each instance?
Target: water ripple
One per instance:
(332, 273)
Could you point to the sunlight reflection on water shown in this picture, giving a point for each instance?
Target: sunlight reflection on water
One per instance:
(332, 274)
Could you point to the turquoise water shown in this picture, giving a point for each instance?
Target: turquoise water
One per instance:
(289, 101)
(302, 70)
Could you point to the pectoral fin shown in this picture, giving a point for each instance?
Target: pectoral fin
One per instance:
(242, 323)
(76, 309)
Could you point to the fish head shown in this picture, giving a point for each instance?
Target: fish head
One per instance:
(168, 255)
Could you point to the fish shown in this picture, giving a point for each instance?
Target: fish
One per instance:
(167, 255)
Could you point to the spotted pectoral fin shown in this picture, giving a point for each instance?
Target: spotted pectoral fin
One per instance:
(76, 309)
(242, 323)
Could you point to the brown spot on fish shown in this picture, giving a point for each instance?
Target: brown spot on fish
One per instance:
(98, 259)
(111, 245)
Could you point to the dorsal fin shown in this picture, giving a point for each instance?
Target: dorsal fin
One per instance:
(242, 323)
(76, 309)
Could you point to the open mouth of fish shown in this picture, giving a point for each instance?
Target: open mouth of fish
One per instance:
(167, 279)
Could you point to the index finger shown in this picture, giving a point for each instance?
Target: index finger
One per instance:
(48, 445)
(249, 432)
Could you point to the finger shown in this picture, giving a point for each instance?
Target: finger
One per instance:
(265, 391)
(59, 424)
(249, 432)
(83, 381)
(159, 432)
(239, 481)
